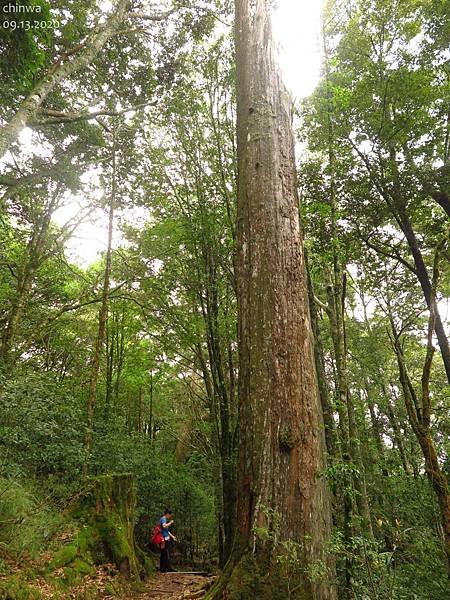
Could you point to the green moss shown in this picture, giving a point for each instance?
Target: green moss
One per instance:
(286, 438)
(106, 511)
(147, 565)
(112, 589)
(15, 588)
(64, 556)
(70, 577)
(77, 554)
(4, 568)
(256, 577)
(246, 580)
(82, 567)
(73, 572)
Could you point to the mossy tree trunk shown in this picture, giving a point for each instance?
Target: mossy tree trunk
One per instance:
(105, 510)
(108, 506)
(281, 495)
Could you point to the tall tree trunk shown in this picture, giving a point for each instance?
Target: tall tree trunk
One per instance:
(102, 318)
(110, 343)
(224, 489)
(139, 412)
(377, 431)
(330, 428)
(120, 356)
(221, 397)
(226, 449)
(351, 451)
(150, 409)
(281, 440)
(397, 204)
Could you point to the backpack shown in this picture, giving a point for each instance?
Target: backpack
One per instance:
(157, 536)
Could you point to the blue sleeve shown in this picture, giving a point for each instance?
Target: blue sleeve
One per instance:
(162, 522)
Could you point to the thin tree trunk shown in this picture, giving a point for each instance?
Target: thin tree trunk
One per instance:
(351, 451)
(425, 283)
(433, 469)
(110, 338)
(35, 251)
(419, 416)
(150, 410)
(376, 431)
(139, 416)
(209, 303)
(336, 311)
(120, 353)
(330, 427)
(218, 487)
(102, 318)
(397, 434)
(397, 205)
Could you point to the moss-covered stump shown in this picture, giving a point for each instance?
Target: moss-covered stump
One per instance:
(105, 513)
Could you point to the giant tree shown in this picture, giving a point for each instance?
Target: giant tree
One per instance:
(281, 495)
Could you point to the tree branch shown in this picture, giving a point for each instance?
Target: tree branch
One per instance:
(323, 306)
(395, 255)
(61, 117)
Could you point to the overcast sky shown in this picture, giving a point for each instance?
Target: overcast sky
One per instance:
(296, 26)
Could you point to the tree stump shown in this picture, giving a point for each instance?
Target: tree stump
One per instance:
(105, 512)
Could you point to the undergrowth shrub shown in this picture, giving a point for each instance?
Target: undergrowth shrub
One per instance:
(40, 427)
(27, 523)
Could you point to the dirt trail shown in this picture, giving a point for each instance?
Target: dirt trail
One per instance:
(175, 586)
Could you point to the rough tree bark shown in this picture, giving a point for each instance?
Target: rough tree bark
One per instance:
(281, 495)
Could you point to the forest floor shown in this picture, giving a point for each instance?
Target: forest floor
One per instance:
(174, 586)
(105, 584)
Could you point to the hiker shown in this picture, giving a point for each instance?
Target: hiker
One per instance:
(165, 522)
